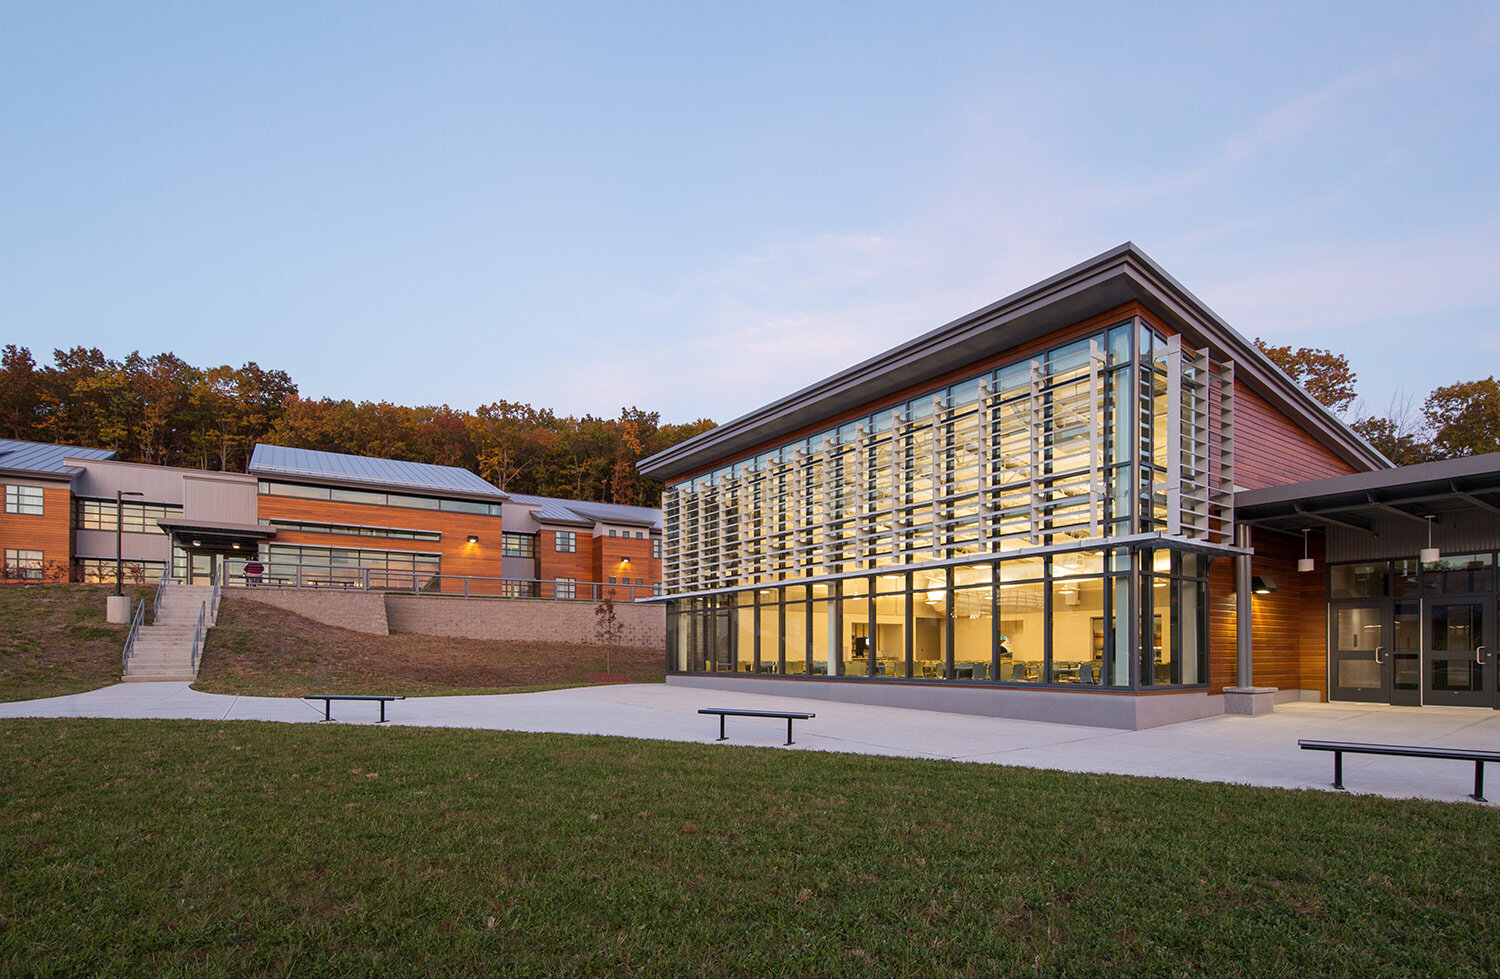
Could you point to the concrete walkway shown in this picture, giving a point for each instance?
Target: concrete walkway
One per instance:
(1250, 750)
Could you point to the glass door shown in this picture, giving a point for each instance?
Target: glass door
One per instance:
(1460, 664)
(1362, 664)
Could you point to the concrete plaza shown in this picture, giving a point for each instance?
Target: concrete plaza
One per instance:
(1249, 750)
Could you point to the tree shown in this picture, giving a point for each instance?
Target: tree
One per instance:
(19, 402)
(608, 629)
(1465, 418)
(1321, 373)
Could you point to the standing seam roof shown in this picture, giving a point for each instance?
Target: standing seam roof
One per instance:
(281, 460)
(45, 458)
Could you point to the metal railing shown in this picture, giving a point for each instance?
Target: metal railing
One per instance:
(161, 589)
(198, 635)
(213, 609)
(135, 628)
(273, 574)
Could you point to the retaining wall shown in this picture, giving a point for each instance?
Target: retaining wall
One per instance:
(530, 619)
(361, 611)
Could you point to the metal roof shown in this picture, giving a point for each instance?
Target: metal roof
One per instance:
(44, 458)
(1358, 499)
(1119, 276)
(336, 467)
(553, 510)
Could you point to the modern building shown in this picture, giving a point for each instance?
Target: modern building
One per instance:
(323, 518)
(1089, 502)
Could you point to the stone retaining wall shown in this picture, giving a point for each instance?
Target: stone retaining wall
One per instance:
(535, 619)
(361, 611)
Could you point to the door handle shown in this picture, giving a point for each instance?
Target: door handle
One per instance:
(1479, 655)
(1378, 651)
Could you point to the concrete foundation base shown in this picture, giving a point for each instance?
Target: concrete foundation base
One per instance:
(1094, 708)
(117, 609)
(1249, 700)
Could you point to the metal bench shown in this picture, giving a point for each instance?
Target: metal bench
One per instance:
(328, 699)
(1339, 748)
(726, 711)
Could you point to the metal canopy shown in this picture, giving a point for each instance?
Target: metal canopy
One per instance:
(1364, 500)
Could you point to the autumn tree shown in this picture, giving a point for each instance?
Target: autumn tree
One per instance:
(1321, 373)
(1464, 418)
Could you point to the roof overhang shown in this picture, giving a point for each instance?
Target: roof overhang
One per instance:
(1116, 278)
(206, 528)
(1359, 500)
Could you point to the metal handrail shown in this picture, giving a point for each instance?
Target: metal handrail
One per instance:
(218, 579)
(135, 628)
(161, 590)
(198, 634)
(295, 575)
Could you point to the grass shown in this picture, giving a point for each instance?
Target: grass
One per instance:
(54, 640)
(131, 847)
(261, 650)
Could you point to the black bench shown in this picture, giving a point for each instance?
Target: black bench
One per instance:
(328, 698)
(1355, 748)
(790, 716)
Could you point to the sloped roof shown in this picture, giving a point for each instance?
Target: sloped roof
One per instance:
(553, 510)
(44, 458)
(1107, 281)
(336, 467)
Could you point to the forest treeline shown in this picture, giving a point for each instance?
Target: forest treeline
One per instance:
(164, 411)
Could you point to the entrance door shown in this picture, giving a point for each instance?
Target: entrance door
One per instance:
(200, 567)
(1460, 663)
(1362, 665)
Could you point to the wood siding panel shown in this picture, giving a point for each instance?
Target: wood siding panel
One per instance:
(1270, 450)
(1288, 634)
(458, 556)
(50, 532)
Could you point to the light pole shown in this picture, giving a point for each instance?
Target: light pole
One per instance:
(119, 537)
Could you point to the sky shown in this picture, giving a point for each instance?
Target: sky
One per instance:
(697, 208)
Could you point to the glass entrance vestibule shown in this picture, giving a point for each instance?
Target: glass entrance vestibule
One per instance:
(1407, 633)
(1108, 618)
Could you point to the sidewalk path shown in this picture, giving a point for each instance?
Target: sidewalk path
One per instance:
(1250, 750)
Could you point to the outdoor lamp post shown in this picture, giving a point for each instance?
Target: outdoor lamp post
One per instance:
(120, 538)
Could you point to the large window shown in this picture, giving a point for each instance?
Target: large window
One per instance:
(341, 566)
(339, 494)
(102, 571)
(517, 545)
(566, 588)
(23, 564)
(23, 499)
(135, 518)
(353, 530)
(1065, 620)
(1102, 436)
(566, 542)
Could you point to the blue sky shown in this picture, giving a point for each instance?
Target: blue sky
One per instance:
(696, 208)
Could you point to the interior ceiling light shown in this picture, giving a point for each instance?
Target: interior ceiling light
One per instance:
(1306, 564)
(1429, 553)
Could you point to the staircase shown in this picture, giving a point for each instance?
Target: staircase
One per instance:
(164, 650)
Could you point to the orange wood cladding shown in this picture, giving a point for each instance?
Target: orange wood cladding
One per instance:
(552, 564)
(1270, 450)
(610, 553)
(459, 557)
(597, 559)
(1288, 630)
(50, 531)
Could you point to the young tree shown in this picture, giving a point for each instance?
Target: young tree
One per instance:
(608, 629)
(1465, 418)
(1321, 373)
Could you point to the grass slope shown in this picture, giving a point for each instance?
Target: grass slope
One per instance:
(54, 640)
(131, 847)
(261, 650)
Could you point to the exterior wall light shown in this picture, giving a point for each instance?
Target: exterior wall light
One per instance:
(1262, 586)
(1429, 554)
(473, 538)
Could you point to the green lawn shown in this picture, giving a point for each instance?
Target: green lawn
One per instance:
(140, 847)
(54, 640)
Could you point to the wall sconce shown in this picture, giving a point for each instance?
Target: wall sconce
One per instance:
(235, 546)
(1262, 586)
(1306, 563)
(473, 538)
(1429, 554)
(197, 543)
(624, 561)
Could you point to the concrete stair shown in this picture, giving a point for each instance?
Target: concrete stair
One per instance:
(164, 649)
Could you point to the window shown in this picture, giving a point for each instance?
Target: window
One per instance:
(656, 548)
(350, 530)
(656, 588)
(639, 535)
(640, 581)
(612, 532)
(23, 499)
(517, 545)
(23, 564)
(346, 566)
(612, 580)
(374, 498)
(567, 542)
(566, 588)
(102, 571)
(136, 518)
